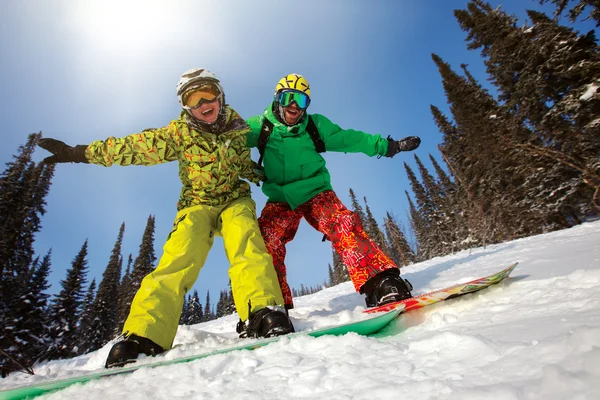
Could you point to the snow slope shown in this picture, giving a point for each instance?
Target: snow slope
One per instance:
(535, 336)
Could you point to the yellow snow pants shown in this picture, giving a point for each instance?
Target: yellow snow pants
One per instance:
(156, 307)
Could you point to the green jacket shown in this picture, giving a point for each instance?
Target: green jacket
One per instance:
(210, 165)
(294, 170)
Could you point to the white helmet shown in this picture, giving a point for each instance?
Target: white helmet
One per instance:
(193, 77)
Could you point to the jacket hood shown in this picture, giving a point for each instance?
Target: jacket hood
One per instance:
(294, 129)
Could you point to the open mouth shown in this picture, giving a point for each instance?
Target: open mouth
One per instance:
(293, 113)
(208, 112)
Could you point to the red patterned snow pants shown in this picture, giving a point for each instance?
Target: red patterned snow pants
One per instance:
(326, 213)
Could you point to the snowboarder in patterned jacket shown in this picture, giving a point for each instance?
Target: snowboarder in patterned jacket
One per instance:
(209, 142)
(298, 185)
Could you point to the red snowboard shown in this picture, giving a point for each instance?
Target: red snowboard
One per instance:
(427, 299)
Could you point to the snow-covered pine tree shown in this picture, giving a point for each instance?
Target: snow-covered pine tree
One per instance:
(547, 77)
(340, 272)
(195, 313)
(104, 320)
(85, 319)
(65, 308)
(33, 328)
(422, 217)
(23, 188)
(398, 244)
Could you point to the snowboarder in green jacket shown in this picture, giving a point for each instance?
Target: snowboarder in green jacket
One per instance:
(297, 184)
(208, 140)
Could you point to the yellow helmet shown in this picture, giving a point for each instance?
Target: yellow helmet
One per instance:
(295, 82)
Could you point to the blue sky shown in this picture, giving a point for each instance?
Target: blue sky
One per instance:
(82, 71)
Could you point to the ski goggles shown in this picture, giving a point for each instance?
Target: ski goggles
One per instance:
(287, 97)
(196, 96)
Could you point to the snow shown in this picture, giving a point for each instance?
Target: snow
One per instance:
(590, 92)
(534, 336)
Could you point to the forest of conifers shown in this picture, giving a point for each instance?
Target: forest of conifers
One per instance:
(519, 156)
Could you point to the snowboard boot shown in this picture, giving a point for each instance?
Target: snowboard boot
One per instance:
(270, 321)
(127, 351)
(386, 287)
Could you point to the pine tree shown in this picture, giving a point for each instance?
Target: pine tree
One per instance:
(545, 75)
(104, 323)
(84, 328)
(497, 175)
(356, 208)
(33, 329)
(441, 226)
(576, 10)
(340, 272)
(418, 226)
(229, 304)
(225, 305)
(143, 265)
(23, 188)
(208, 314)
(451, 200)
(14, 190)
(572, 122)
(219, 308)
(305, 291)
(447, 187)
(195, 314)
(183, 317)
(398, 242)
(302, 290)
(372, 229)
(66, 307)
(461, 197)
(475, 157)
(124, 303)
(144, 262)
(422, 218)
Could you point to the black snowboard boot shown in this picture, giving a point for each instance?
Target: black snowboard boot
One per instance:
(270, 321)
(386, 287)
(127, 351)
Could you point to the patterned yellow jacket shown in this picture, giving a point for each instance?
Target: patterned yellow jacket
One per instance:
(210, 165)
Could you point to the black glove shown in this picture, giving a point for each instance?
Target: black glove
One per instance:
(407, 144)
(62, 152)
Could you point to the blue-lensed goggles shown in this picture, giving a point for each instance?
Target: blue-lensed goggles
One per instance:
(287, 97)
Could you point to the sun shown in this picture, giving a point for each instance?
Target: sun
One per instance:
(122, 26)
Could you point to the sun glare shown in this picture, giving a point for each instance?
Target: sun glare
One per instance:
(122, 26)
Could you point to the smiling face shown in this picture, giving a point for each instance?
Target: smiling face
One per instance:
(292, 114)
(208, 112)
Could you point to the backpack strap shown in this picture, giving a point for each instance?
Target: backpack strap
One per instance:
(312, 130)
(263, 138)
(267, 128)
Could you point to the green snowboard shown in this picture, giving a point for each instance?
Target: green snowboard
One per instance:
(364, 327)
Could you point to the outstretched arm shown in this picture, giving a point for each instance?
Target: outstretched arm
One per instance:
(150, 147)
(409, 143)
(353, 141)
(62, 152)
